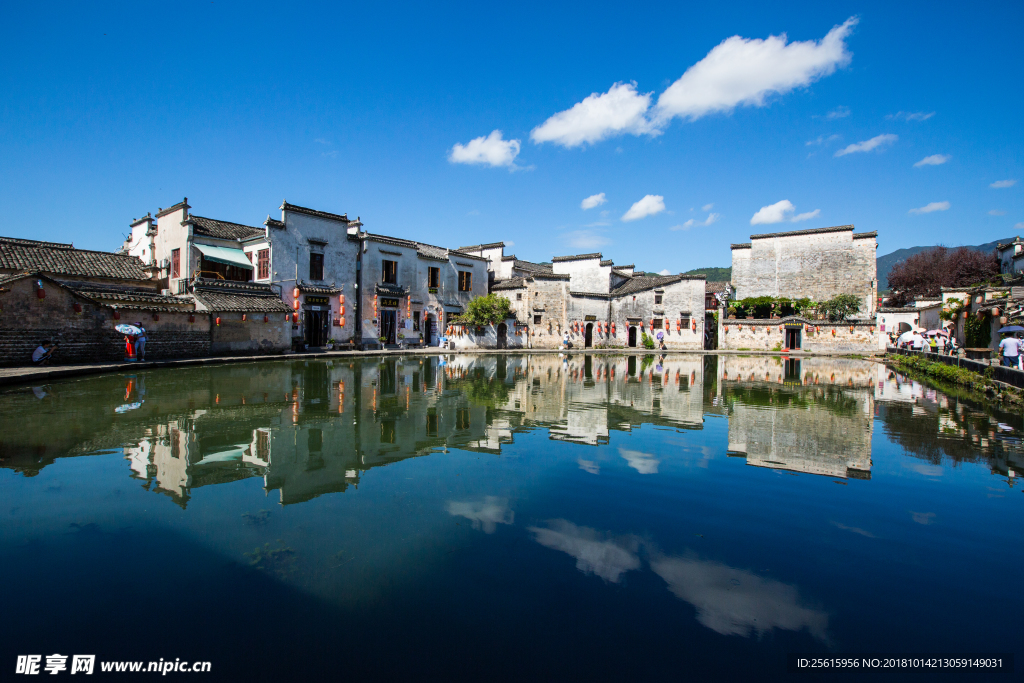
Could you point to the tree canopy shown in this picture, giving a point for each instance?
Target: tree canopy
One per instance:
(925, 273)
(487, 310)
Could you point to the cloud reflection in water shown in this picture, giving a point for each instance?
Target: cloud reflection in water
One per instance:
(595, 552)
(485, 514)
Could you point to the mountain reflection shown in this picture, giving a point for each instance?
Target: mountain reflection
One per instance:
(308, 428)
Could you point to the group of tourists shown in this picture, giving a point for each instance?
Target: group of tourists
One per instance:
(134, 346)
(934, 342)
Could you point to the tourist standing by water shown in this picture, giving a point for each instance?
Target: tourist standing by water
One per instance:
(140, 342)
(1010, 350)
(43, 353)
(941, 344)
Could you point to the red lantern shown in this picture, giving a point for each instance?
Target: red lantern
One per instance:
(295, 304)
(679, 324)
(266, 318)
(40, 293)
(613, 328)
(244, 317)
(343, 321)
(641, 325)
(341, 310)
(693, 324)
(833, 331)
(191, 317)
(156, 316)
(295, 318)
(782, 327)
(341, 299)
(218, 321)
(117, 314)
(77, 307)
(295, 293)
(995, 311)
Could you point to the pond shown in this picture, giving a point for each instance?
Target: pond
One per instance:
(508, 517)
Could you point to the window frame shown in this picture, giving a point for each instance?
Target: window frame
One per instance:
(537, 319)
(465, 281)
(384, 268)
(263, 264)
(175, 263)
(433, 277)
(316, 259)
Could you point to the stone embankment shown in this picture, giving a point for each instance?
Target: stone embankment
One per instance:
(995, 382)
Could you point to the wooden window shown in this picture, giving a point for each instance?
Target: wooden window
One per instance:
(415, 321)
(433, 278)
(248, 255)
(465, 281)
(389, 270)
(462, 418)
(263, 263)
(519, 296)
(657, 299)
(656, 324)
(316, 266)
(685, 321)
(536, 320)
(176, 263)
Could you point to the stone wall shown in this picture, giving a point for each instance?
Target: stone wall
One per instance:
(467, 337)
(813, 264)
(824, 337)
(233, 335)
(678, 299)
(89, 335)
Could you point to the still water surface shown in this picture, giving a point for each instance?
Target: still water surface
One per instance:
(508, 517)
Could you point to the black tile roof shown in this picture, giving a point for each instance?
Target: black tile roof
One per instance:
(318, 289)
(812, 231)
(863, 235)
(640, 283)
(609, 262)
(532, 267)
(745, 245)
(511, 283)
(241, 297)
(390, 290)
(475, 247)
(171, 209)
(63, 259)
(715, 287)
(577, 257)
(273, 223)
(222, 229)
(285, 206)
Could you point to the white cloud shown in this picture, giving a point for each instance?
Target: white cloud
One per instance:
(823, 140)
(663, 271)
(592, 201)
(620, 110)
(586, 239)
(996, 212)
(510, 243)
(735, 602)
(1000, 184)
(712, 218)
(485, 514)
(741, 71)
(707, 207)
(597, 224)
(923, 517)
(933, 160)
(928, 208)
(644, 463)
(878, 142)
(1019, 226)
(595, 553)
(648, 206)
(491, 151)
(838, 113)
(590, 466)
(910, 116)
(780, 212)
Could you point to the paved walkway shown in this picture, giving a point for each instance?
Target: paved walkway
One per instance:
(40, 375)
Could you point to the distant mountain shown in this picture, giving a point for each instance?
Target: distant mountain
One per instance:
(713, 274)
(885, 263)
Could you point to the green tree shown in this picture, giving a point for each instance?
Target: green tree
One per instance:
(840, 307)
(487, 310)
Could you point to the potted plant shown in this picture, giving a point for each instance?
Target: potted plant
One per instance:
(383, 341)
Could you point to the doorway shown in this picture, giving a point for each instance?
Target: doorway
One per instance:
(389, 326)
(588, 336)
(502, 336)
(632, 336)
(793, 339)
(428, 324)
(316, 324)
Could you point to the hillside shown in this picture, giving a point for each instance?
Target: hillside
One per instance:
(713, 274)
(885, 263)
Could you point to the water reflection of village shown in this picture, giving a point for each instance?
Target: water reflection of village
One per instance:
(310, 427)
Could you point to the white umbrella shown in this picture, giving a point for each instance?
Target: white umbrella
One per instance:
(906, 337)
(130, 330)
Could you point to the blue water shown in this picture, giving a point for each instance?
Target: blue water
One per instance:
(508, 518)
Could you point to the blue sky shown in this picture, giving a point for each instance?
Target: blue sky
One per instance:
(373, 110)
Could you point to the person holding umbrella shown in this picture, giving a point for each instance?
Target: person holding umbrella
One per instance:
(131, 333)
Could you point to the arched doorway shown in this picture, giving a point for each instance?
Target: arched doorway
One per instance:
(588, 336)
(502, 336)
(632, 335)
